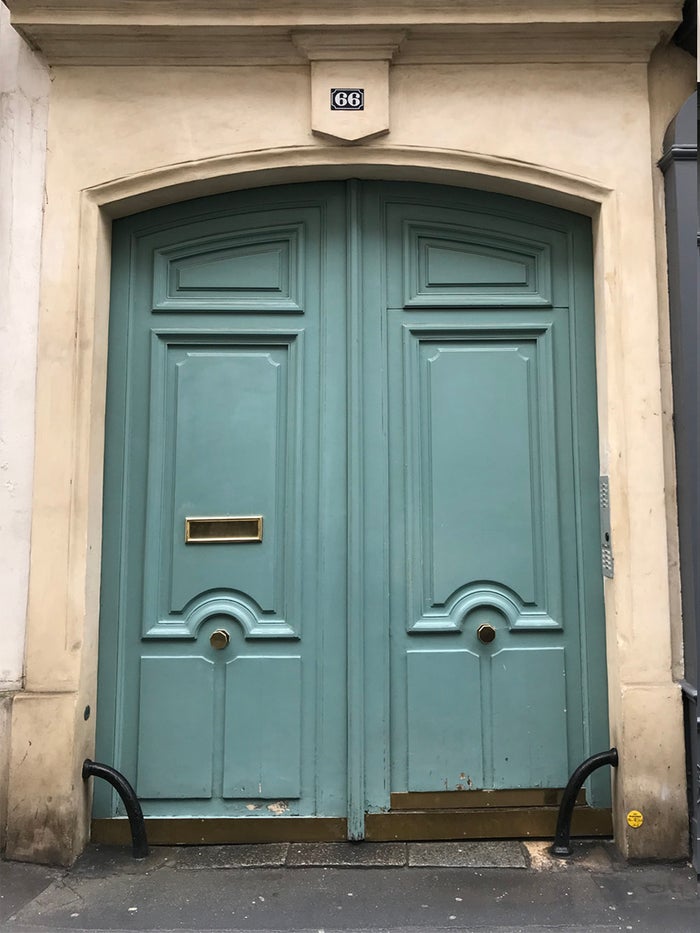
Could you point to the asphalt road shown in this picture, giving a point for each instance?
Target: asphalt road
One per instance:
(364, 889)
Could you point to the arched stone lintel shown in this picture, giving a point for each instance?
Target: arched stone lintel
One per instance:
(172, 183)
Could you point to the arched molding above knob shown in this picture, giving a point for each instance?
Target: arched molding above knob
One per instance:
(454, 615)
(234, 605)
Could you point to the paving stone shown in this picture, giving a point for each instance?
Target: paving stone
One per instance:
(265, 855)
(339, 854)
(102, 861)
(507, 854)
(591, 855)
(20, 883)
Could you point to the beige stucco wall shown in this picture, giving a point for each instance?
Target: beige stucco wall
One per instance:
(663, 78)
(122, 139)
(24, 86)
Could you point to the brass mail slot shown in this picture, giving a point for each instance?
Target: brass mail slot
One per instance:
(228, 529)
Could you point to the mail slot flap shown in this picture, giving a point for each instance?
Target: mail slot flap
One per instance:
(227, 529)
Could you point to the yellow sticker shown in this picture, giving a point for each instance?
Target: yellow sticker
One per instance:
(635, 819)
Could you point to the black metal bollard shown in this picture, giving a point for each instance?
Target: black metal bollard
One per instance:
(562, 844)
(139, 842)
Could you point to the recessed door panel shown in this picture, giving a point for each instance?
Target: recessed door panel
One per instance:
(176, 728)
(530, 741)
(479, 429)
(241, 462)
(457, 259)
(252, 270)
(444, 720)
(494, 445)
(263, 728)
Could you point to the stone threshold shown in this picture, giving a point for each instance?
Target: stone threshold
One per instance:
(500, 854)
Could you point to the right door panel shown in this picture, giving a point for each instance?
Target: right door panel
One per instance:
(493, 496)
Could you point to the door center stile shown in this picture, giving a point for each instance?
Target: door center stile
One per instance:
(356, 326)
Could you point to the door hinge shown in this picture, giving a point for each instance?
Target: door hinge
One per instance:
(605, 535)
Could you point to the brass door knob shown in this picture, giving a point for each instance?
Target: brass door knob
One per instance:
(219, 639)
(486, 633)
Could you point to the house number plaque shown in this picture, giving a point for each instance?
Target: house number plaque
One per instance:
(347, 98)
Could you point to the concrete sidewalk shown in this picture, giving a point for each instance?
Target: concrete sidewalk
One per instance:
(388, 888)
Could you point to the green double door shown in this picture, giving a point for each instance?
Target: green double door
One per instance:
(351, 548)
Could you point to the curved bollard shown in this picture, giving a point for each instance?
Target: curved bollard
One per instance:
(562, 844)
(139, 842)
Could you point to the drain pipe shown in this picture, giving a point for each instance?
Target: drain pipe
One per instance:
(139, 843)
(562, 844)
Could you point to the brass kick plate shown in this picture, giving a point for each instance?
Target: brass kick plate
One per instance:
(508, 823)
(194, 831)
(228, 529)
(482, 799)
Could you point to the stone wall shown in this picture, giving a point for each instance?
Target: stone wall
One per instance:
(24, 90)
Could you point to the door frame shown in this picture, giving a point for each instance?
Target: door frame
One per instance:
(361, 399)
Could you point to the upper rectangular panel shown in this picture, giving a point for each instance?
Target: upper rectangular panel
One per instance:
(251, 271)
(479, 459)
(225, 442)
(451, 266)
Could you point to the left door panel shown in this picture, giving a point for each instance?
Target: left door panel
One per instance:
(227, 315)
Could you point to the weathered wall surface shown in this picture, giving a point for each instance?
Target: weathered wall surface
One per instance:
(663, 109)
(24, 87)
(584, 135)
